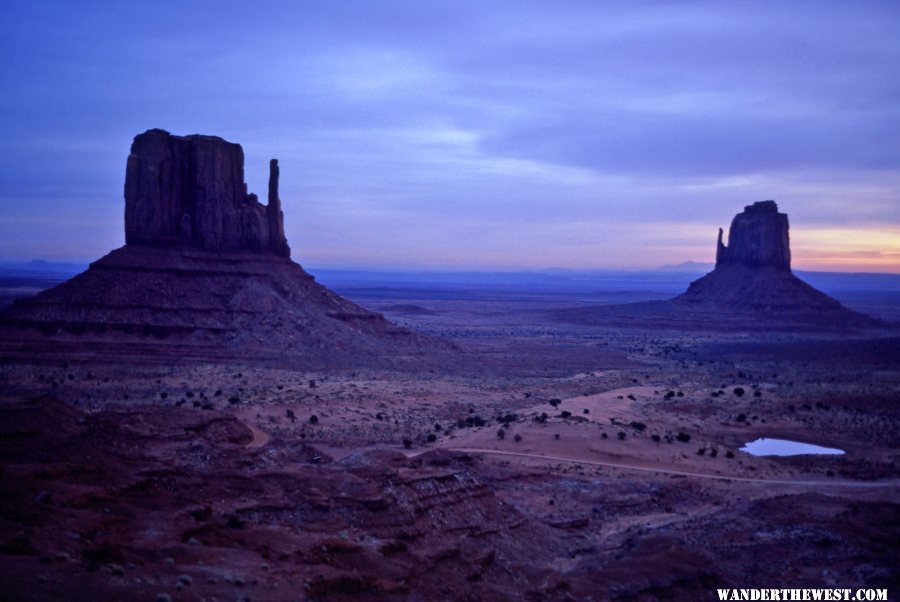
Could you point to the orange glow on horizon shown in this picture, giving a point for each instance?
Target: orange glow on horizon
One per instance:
(846, 249)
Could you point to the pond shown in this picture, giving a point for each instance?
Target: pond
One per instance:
(786, 447)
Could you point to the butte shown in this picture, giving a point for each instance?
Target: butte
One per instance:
(751, 287)
(205, 274)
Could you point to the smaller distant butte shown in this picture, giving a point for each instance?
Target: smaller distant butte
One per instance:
(751, 287)
(205, 274)
(753, 277)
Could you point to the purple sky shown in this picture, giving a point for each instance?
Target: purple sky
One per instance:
(469, 134)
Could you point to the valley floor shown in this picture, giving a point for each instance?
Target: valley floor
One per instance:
(547, 461)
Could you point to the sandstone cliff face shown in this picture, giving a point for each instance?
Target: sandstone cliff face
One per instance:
(189, 191)
(757, 237)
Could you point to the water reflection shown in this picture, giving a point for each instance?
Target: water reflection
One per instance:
(785, 447)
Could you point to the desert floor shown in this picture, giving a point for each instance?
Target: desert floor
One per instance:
(544, 461)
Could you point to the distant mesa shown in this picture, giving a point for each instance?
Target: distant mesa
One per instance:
(205, 273)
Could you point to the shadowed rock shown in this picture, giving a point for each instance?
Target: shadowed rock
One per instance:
(189, 191)
(752, 287)
(758, 237)
(205, 274)
(753, 277)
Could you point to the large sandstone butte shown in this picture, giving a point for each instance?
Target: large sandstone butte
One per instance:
(205, 274)
(753, 277)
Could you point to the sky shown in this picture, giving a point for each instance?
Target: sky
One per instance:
(469, 135)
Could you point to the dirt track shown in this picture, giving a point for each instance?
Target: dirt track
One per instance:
(791, 482)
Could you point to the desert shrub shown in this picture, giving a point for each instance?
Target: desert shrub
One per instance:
(565, 414)
(621, 435)
(314, 419)
(407, 442)
(683, 437)
(234, 400)
(542, 418)
(638, 426)
(501, 434)
(603, 435)
(471, 421)
(555, 402)
(431, 438)
(632, 397)
(312, 384)
(701, 451)
(517, 438)
(290, 414)
(586, 411)
(729, 454)
(508, 418)
(741, 417)
(655, 437)
(739, 391)
(669, 394)
(233, 522)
